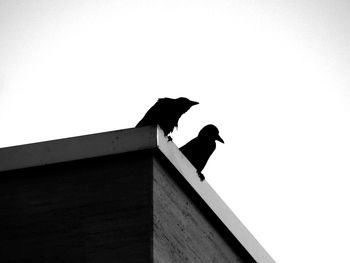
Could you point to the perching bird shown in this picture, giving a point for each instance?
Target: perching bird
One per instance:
(166, 113)
(199, 149)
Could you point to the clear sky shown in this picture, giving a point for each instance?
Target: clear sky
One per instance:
(273, 76)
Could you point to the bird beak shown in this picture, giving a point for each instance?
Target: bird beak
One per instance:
(218, 138)
(194, 103)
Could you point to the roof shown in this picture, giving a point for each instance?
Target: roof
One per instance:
(131, 140)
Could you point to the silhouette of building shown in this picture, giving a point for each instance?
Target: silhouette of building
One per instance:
(120, 196)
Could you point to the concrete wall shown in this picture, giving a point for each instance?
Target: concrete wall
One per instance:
(120, 196)
(182, 233)
(96, 210)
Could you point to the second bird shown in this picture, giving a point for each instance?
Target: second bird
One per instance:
(199, 149)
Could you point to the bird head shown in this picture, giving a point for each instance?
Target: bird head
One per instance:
(210, 132)
(185, 104)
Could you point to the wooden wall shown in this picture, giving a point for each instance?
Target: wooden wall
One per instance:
(182, 233)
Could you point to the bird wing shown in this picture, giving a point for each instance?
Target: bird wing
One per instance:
(155, 114)
(166, 113)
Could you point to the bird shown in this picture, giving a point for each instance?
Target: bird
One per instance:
(166, 112)
(199, 149)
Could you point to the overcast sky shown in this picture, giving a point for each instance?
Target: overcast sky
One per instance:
(273, 76)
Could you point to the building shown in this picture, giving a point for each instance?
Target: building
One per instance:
(120, 196)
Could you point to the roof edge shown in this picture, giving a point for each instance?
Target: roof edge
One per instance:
(77, 148)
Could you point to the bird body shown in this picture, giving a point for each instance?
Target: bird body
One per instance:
(166, 112)
(198, 152)
(199, 149)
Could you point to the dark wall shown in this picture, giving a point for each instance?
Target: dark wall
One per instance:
(131, 207)
(96, 210)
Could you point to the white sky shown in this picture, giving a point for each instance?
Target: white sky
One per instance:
(273, 76)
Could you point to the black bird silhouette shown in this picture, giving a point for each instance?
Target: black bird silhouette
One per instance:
(166, 112)
(199, 149)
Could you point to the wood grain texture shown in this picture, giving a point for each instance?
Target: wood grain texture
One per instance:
(253, 251)
(182, 232)
(96, 210)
